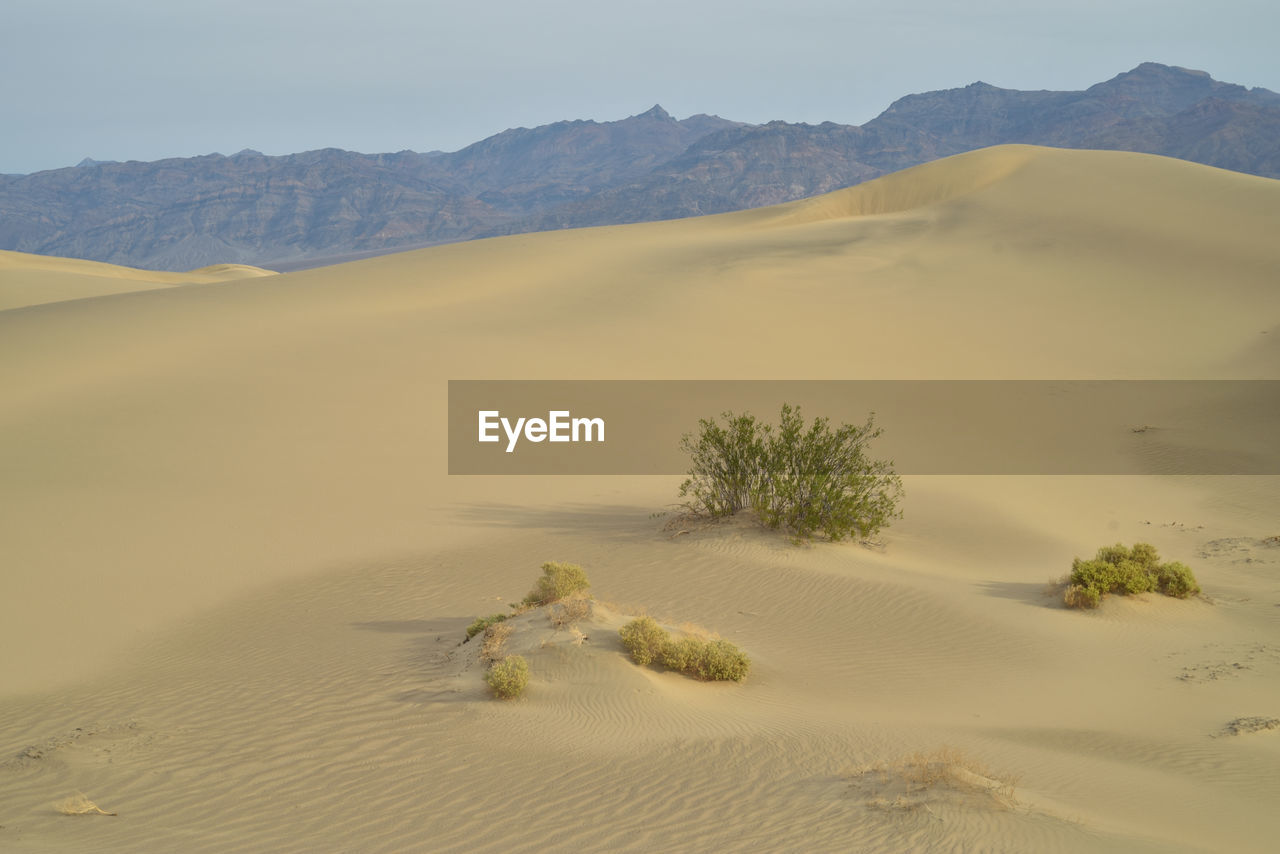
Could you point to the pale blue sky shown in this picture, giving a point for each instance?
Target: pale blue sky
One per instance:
(145, 79)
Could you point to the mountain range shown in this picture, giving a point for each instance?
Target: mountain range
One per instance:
(298, 210)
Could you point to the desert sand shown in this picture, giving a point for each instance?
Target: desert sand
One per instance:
(236, 573)
(37, 279)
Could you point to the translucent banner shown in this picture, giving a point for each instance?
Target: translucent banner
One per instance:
(627, 427)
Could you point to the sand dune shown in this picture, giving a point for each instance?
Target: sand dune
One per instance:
(237, 573)
(37, 279)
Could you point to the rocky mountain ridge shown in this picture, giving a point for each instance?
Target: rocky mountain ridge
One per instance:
(287, 211)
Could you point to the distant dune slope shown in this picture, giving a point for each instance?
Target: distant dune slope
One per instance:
(35, 279)
(235, 569)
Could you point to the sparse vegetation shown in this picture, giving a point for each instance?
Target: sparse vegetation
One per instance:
(1177, 580)
(495, 640)
(508, 678)
(709, 660)
(1117, 569)
(483, 623)
(803, 480)
(645, 640)
(680, 655)
(913, 781)
(562, 591)
(570, 610)
(563, 586)
(558, 581)
(720, 661)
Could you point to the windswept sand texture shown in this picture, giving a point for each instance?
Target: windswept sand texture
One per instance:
(236, 573)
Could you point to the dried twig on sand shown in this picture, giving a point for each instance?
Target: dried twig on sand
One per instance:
(81, 805)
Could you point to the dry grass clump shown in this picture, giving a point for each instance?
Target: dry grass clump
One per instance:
(558, 581)
(709, 660)
(953, 769)
(562, 590)
(79, 804)
(915, 779)
(495, 639)
(508, 678)
(570, 610)
(562, 585)
(1118, 569)
(483, 623)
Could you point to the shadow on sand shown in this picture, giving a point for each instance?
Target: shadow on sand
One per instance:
(618, 522)
(1039, 594)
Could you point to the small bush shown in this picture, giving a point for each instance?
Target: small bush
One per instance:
(508, 678)
(721, 661)
(1176, 579)
(1118, 569)
(682, 655)
(483, 623)
(710, 661)
(801, 479)
(644, 639)
(558, 581)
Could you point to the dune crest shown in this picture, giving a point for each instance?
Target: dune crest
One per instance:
(917, 187)
(232, 271)
(27, 279)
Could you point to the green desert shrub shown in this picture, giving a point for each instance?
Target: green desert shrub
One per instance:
(727, 464)
(710, 661)
(1176, 579)
(1118, 569)
(644, 639)
(558, 581)
(509, 677)
(682, 655)
(483, 623)
(721, 661)
(803, 480)
(1143, 554)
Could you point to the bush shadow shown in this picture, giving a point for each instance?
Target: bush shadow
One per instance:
(616, 522)
(1037, 594)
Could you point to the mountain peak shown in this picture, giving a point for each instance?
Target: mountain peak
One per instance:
(656, 112)
(1152, 69)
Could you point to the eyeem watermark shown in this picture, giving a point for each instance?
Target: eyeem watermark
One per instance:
(934, 427)
(559, 426)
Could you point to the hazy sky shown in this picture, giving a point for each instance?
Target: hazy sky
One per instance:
(145, 79)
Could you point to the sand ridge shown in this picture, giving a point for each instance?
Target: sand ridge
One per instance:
(27, 279)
